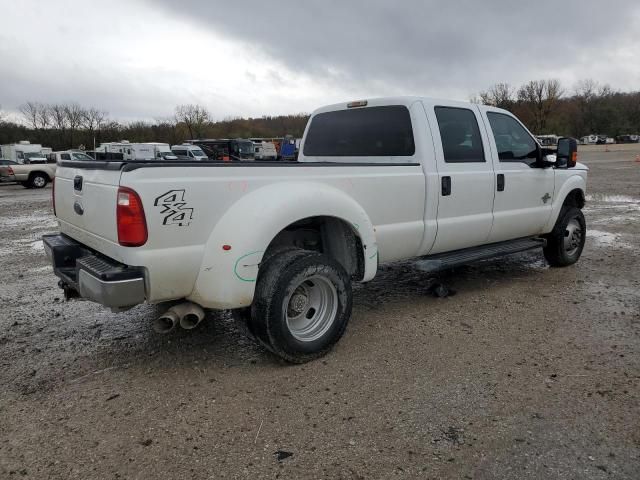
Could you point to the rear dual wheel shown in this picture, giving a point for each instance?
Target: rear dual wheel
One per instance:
(302, 305)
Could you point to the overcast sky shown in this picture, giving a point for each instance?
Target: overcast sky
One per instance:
(137, 59)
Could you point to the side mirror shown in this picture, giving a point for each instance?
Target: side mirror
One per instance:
(567, 155)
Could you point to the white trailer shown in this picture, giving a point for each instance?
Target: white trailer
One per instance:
(139, 151)
(23, 152)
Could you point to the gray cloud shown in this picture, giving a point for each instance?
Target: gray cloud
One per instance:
(246, 57)
(430, 45)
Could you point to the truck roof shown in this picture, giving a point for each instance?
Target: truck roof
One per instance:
(400, 100)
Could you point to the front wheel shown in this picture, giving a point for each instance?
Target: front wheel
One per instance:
(302, 305)
(566, 242)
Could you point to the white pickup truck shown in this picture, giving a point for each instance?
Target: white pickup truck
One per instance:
(376, 181)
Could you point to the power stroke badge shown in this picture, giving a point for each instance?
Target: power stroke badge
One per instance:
(174, 208)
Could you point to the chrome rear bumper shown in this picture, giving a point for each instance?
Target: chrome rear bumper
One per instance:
(90, 275)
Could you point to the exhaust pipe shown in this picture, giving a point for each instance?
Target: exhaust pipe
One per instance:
(188, 315)
(166, 322)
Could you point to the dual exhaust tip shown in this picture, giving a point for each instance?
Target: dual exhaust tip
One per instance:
(188, 315)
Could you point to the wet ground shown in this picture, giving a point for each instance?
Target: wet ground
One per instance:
(526, 372)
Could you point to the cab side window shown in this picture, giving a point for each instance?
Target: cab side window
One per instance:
(461, 139)
(513, 142)
(65, 156)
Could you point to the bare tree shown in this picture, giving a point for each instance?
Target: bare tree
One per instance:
(194, 117)
(540, 97)
(44, 116)
(31, 112)
(92, 120)
(2, 115)
(500, 95)
(74, 114)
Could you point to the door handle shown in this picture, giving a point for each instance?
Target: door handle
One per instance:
(501, 182)
(446, 186)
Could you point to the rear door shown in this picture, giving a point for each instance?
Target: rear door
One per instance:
(524, 191)
(465, 171)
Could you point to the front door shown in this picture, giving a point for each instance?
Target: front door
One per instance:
(465, 171)
(524, 191)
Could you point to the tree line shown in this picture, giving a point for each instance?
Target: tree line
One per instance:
(70, 125)
(545, 107)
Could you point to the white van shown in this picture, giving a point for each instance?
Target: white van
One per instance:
(265, 151)
(186, 151)
(161, 151)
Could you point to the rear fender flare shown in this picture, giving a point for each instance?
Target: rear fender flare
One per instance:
(227, 278)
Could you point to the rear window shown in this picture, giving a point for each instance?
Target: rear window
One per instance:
(364, 132)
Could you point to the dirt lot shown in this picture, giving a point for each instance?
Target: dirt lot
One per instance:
(527, 372)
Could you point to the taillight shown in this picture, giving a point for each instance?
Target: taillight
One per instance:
(10, 171)
(132, 225)
(53, 195)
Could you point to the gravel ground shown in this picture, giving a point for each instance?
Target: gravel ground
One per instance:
(527, 372)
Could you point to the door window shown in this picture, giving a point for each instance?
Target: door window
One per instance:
(513, 142)
(460, 134)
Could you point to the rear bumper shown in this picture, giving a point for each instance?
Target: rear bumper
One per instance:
(90, 275)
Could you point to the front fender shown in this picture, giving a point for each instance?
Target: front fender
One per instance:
(575, 182)
(227, 278)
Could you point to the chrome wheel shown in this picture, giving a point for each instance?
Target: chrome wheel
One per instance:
(39, 181)
(311, 308)
(572, 236)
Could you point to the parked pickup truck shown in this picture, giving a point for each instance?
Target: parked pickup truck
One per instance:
(281, 243)
(34, 175)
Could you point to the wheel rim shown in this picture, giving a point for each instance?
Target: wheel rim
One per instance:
(311, 308)
(573, 236)
(39, 181)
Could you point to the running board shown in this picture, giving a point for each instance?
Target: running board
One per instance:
(442, 261)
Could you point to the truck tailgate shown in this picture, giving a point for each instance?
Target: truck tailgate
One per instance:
(86, 199)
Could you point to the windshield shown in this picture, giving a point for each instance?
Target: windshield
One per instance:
(245, 147)
(197, 152)
(80, 156)
(33, 155)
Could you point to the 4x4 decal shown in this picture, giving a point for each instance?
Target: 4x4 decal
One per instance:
(174, 208)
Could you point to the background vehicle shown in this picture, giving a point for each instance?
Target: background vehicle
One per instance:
(161, 151)
(226, 149)
(138, 151)
(23, 152)
(448, 182)
(29, 176)
(288, 150)
(265, 151)
(189, 152)
(56, 157)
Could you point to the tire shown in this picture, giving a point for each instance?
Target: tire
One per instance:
(566, 241)
(301, 306)
(243, 316)
(38, 180)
